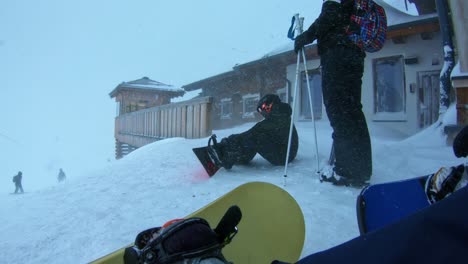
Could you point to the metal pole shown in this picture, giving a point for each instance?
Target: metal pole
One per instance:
(292, 118)
(304, 60)
(298, 29)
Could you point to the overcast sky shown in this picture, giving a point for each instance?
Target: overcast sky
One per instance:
(60, 59)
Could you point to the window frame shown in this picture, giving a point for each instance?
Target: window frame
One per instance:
(318, 91)
(222, 104)
(399, 116)
(250, 114)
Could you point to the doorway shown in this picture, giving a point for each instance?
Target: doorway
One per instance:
(429, 97)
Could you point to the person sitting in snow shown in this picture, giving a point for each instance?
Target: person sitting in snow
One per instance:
(269, 137)
(17, 180)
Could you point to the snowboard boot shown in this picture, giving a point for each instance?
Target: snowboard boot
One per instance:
(231, 153)
(328, 174)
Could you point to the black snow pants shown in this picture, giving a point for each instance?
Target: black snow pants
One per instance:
(269, 138)
(342, 70)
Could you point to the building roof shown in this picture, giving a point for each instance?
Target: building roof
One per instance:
(146, 84)
(212, 79)
(396, 18)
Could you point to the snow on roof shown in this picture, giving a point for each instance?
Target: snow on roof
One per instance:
(187, 96)
(146, 83)
(282, 48)
(458, 73)
(396, 16)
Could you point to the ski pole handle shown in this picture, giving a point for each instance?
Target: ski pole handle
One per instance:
(296, 26)
(291, 28)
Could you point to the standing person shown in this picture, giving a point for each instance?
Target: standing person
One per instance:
(61, 176)
(269, 137)
(342, 63)
(17, 180)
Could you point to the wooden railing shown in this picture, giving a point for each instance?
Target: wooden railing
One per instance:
(188, 119)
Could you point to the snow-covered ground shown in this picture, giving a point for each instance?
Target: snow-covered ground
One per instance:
(86, 217)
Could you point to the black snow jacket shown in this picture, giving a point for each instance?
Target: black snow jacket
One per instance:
(329, 27)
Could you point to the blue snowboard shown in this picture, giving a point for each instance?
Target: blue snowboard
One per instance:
(382, 204)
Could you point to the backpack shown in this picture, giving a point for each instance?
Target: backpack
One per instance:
(182, 241)
(368, 25)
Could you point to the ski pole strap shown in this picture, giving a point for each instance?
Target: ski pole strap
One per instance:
(212, 139)
(291, 28)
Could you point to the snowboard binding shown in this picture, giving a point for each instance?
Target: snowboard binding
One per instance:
(213, 149)
(209, 156)
(189, 240)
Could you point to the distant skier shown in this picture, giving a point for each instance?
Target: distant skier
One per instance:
(61, 176)
(17, 180)
(269, 137)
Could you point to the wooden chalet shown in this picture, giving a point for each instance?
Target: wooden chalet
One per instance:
(143, 93)
(131, 97)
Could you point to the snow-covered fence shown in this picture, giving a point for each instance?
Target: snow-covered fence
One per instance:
(188, 119)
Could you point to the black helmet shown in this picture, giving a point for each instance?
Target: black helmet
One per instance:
(266, 104)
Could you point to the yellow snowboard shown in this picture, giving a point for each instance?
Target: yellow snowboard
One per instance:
(272, 225)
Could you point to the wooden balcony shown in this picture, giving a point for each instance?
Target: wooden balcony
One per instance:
(188, 119)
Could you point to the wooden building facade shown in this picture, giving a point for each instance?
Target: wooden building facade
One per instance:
(131, 97)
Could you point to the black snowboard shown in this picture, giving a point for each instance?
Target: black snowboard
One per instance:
(202, 154)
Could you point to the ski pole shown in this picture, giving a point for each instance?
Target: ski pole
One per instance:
(298, 29)
(292, 120)
(304, 60)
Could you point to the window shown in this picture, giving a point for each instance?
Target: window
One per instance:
(389, 87)
(142, 104)
(249, 104)
(226, 108)
(429, 97)
(315, 81)
(117, 110)
(131, 107)
(282, 93)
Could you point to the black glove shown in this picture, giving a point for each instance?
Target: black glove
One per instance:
(302, 40)
(460, 143)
